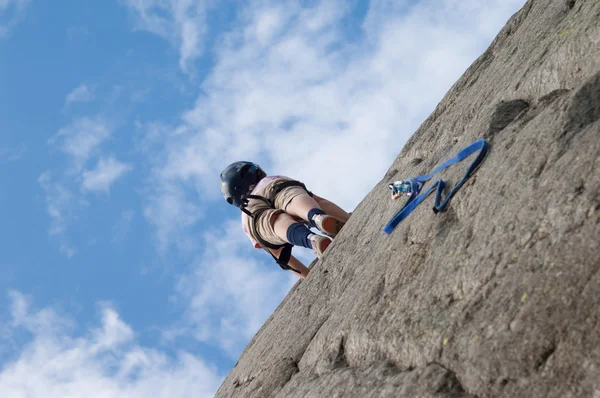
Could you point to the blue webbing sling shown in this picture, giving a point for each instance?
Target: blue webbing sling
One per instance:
(417, 183)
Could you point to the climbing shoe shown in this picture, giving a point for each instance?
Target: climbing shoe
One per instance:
(319, 243)
(328, 225)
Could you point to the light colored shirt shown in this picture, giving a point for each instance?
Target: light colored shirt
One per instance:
(246, 219)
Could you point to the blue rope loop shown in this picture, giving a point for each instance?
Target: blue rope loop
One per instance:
(417, 183)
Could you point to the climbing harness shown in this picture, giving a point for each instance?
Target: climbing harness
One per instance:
(286, 253)
(412, 187)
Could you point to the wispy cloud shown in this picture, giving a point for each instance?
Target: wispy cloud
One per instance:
(66, 188)
(229, 293)
(61, 206)
(123, 226)
(44, 321)
(81, 138)
(172, 212)
(11, 13)
(290, 91)
(107, 172)
(82, 93)
(103, 361)
(182, 22)
(68, 250)
(13, 154)
(59, 200)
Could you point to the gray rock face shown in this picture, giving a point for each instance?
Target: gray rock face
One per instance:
(497, 296)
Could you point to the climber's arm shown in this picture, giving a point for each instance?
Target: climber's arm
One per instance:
(298, 266)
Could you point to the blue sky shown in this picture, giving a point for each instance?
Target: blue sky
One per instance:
(121, 264)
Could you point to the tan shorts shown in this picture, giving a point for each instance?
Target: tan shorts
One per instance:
(263, 225)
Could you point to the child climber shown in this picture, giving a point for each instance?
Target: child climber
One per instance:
(276, 211)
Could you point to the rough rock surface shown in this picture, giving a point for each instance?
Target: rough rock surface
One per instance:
(497, 296)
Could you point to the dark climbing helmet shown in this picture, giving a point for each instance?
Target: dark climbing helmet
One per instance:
(238, 179)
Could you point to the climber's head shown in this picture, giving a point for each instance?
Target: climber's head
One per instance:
(238, 179)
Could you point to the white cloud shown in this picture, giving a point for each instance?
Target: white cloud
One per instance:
(114, 332)
(61, 205)
(81, 138)
(123, 226)
(80, 141)
(107, 171)
(170, 207)
(82, 93)
(182, 22)
(171, 211)
(45, 321)
(12, 154)
(102, 362)
(11, 13)
(289, 91)
(58, 200)
(5, 4)
(229, 293)
(68, 250)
